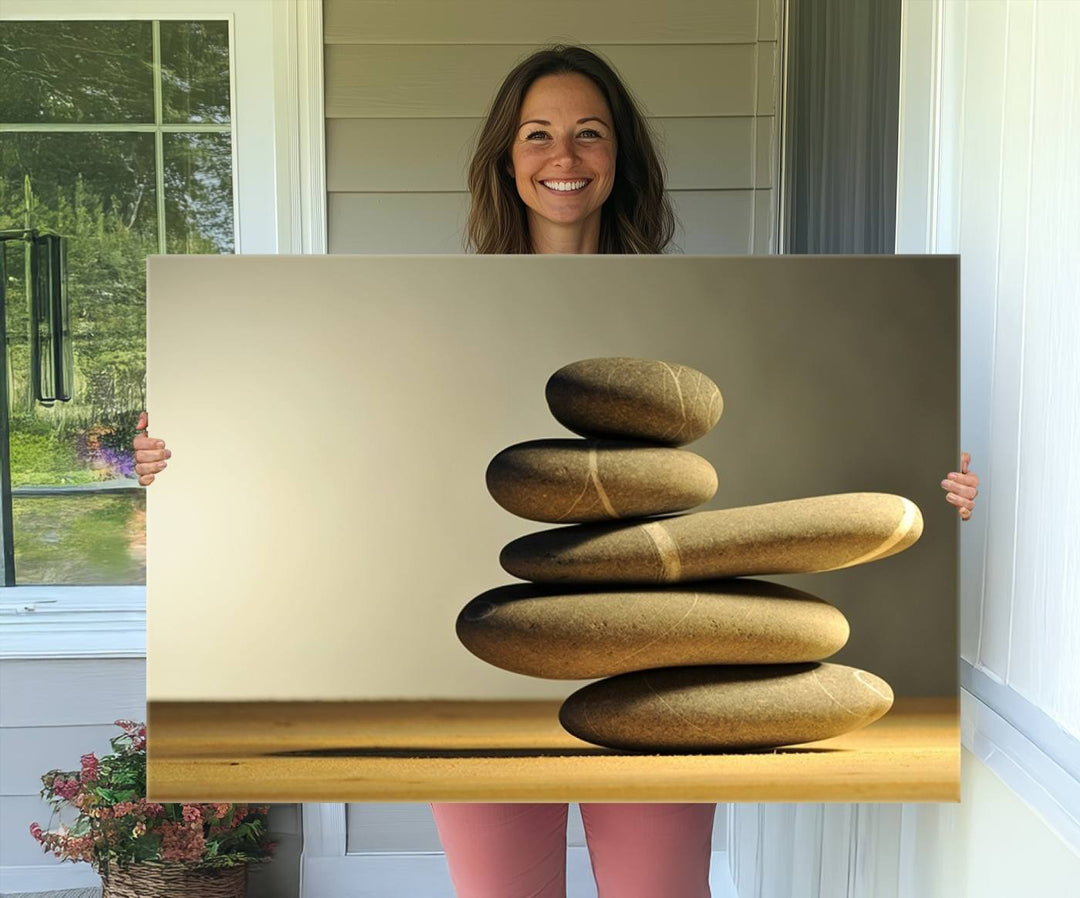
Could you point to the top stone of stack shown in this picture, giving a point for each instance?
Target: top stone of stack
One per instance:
(634, 399)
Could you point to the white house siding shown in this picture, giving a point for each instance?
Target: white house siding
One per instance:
(53, 711)
(408, 83)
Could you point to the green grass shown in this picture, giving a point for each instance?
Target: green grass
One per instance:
(84, 540)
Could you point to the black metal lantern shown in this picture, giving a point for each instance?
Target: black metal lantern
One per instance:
(51, 361)
(50, 353)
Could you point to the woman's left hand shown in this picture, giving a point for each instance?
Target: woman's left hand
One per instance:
(962, 487)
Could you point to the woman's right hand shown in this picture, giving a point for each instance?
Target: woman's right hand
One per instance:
(150, 454)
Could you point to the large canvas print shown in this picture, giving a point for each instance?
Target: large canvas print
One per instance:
(370, 454)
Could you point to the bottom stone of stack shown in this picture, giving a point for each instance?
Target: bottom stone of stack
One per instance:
(722, 708)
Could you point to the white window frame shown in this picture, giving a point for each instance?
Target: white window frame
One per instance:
(276, 53)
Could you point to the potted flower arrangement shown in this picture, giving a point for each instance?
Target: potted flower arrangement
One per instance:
(142, 848)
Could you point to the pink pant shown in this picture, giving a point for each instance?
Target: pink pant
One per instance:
(519, 850)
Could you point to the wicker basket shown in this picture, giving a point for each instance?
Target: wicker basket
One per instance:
(150, 880)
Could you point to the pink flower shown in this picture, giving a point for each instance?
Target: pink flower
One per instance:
(123, 808)
(191, 813)
(150, 808)
(181, 841)
(35, 831)
(89, 768)
(65, 788)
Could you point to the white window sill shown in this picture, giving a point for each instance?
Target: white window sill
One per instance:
(73, 622)
(1038, 760)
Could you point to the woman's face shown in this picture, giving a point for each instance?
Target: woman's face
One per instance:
(563, 154)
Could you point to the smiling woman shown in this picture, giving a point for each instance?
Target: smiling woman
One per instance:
(564, 165)
(562, 117)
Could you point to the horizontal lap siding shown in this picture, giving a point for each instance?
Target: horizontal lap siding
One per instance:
(52, 712)
(408, 84)
(523, 22)
(461, 80)
(716, 222)
(383, 155)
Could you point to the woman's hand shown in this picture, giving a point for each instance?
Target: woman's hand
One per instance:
(150, 454)
(961, 487)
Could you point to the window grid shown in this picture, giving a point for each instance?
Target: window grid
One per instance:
(158, 128)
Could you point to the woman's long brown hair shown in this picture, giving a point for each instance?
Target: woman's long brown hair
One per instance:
(637, 216)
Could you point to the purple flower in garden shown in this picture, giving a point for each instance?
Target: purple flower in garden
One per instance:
(119, 462)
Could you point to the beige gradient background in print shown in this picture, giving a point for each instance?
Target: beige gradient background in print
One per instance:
(324, 516)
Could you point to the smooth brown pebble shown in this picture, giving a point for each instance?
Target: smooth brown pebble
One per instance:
(573, 481)
(821, 533)
(635, 399)
(580, 635)
(711, 709)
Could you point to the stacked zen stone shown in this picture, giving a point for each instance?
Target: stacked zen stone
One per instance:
(694, 661)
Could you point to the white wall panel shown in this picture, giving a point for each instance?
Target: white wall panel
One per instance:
(980, 177)
(815, 850)
(1046, 615)
(1011, 275)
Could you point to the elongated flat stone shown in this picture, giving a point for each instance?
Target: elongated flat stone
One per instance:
(634, 399)
(580, 635)
(570, 481)
(821, 533)
(707, 709)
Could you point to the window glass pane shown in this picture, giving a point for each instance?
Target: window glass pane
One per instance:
(77, 519)
(198, 193)
(76, 72)
(195, 72)
(98, 190)
(83, 540)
